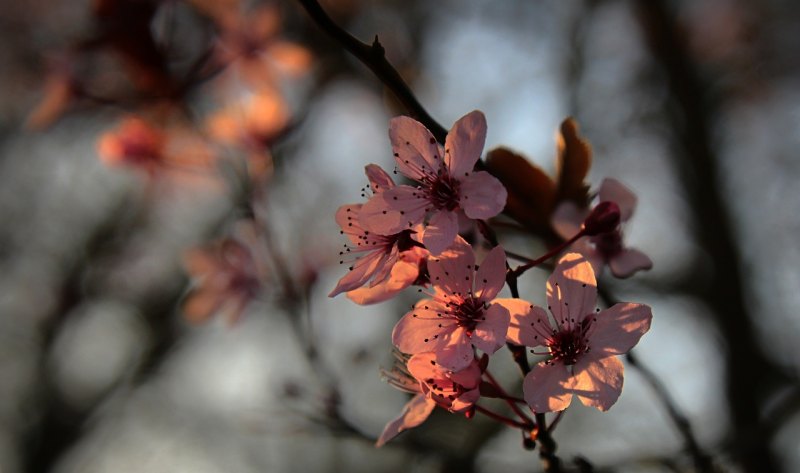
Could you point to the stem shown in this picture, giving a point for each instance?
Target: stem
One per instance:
(547, 447)
(374, 58)
(511, 401)
(533, 263)
(501, 418)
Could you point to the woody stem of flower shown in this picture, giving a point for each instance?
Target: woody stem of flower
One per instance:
(373, 56)
(508, 399)
(533, 263)
(547, 447)
(501, 418)
(556, 420)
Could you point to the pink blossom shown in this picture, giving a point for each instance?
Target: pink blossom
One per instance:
(605, 248)
(580, 340)
(228, 277)
(386, 264)
(463, 312)
(447, 184)
(432, 385)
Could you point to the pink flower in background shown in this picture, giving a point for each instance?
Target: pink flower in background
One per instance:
(447, 185)
(387, 263)
(432, 385)
(228, 277)
(463, 311)
(605, 248)
(582, 342)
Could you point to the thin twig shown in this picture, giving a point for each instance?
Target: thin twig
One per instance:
(373, 56)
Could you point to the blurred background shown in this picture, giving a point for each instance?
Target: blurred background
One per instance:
(132, 131)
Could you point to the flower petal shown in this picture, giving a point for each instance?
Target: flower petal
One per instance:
(379, 180)
(617, 329)
(628, 261)
(529, 323)
(572, 289)
(363, 269)
(615, 191)
(465, 401)
(481, 195)
(393, 210)
(464, 143)
(440, 232)
(491, 275)
(451, 272)
(423, 330)
(568, 218)
(547, 387)
(598, 381)
(404, 273)
(413, 414)
(458, 353)
(347, 219)
(490, 333)
(415, 149)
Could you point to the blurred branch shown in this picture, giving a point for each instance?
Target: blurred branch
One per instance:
(749, 373)
(374, 57)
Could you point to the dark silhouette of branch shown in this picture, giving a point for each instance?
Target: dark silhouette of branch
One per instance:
(373, 56)
(749, 373)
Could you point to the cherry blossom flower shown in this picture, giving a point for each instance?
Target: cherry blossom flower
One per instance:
(387, 263)
(463, 312)
(581, 341)
(154, 150)
(228, 277)
(447, 184)
(605, 248)
(432, 385)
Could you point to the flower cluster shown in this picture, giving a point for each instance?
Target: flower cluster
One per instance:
(406, 235)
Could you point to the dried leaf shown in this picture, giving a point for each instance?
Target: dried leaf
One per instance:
(573, 162)
(531, 192)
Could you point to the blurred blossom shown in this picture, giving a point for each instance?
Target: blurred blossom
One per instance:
(143, 145)
(229, 274)
(60, 89)
(250, 43)
(252, 124)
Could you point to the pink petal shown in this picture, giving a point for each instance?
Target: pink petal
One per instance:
(363, 269)
(617, 329)
(458, 353)
(347, 219)
(614, 191)
(491, 276)
(452, 271)
(572, 289)
(422, 330)
(379, 180)
(403, 275)
(440, 232)
(628, 261)
(393, 210)
(481, 195)
(415, 149)
(469, 377)
(598, 381)
(413, 414)
(525, 318)
(547, 387)
(490, 334)
(568, 219)
(465, 401)
(464, 143)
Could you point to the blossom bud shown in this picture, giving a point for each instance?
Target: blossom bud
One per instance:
(605, 217)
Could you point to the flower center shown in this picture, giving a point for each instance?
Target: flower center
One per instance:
(443, 192)
(567, 346)
(468, 313)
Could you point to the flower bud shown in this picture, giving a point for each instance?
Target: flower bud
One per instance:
(605, 217)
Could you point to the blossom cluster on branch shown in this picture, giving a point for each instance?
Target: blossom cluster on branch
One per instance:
(417, 235)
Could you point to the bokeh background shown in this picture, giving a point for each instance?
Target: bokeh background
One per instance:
(694, 104)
